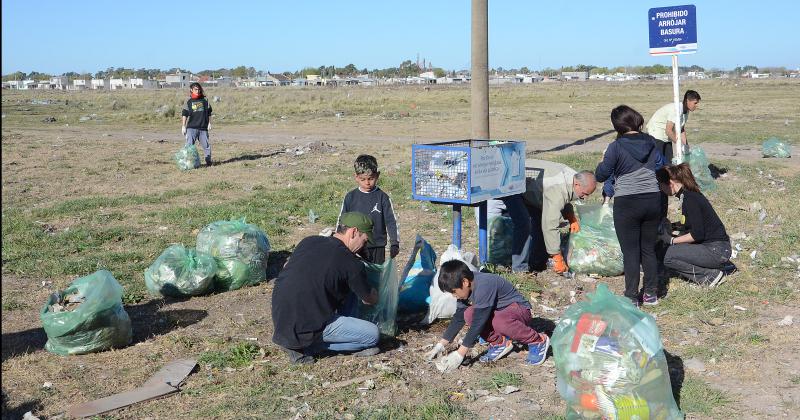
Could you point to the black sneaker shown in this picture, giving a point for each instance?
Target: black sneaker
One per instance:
(370, 351)
(298, 358)
(729, 268)
(208, 160)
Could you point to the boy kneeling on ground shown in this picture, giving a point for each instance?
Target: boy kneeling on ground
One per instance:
(493, 309)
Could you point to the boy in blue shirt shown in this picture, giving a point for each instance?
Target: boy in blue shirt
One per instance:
(493, 309)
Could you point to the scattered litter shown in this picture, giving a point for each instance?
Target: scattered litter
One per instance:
(547, 308)
(29, 416)
(369, 384)
(230, 369)
(786, 321)
(762, 215)
(492, 399)
(326, 232)
(739, 236)
(755, 206)
(739, 308)
(49, 119)
(509, 389)
(312, 217)
(774, 147)
(753, 255)
(47, 385)
(217, 99)
(481, 393)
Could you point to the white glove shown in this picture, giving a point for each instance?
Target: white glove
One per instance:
(450, 362)
(209, 127)
(438, 350)
(183, 130)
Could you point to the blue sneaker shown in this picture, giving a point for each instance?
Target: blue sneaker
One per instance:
(481, 341)
(497, 351)
(537, 352)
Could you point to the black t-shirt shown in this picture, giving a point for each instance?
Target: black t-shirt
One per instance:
(700, 218)
(313, 285)
(198, 111)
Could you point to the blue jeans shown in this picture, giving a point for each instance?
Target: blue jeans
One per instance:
(346, 334)
(196, 134)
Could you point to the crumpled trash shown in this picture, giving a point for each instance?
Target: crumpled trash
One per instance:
(187, 158)
(774, 147)
(240, 249)
(595, 248)
(180, 271)
(610, 362)
(92, 318)
(698, 163)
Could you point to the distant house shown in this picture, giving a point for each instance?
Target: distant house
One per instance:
(178, 80)
(279, 79)
(754, 75)
(139, 83)
(81, 84)
(696, 75)
(99, 84)
(580, 76)
(116, 84)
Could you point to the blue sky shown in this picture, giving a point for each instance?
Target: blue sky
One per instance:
(87, 36)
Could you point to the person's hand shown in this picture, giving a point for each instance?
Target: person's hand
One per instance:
(183, 130)
(450, 363)
(574, 223)
(438, 350)
(559, 266)
(666, 237)
(209, 127)
(394, 250)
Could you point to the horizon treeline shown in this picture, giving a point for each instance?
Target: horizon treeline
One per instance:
(405, 69)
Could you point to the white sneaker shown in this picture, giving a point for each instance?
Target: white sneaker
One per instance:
(717, 280)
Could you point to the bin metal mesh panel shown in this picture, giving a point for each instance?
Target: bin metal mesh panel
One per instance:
(441, 173)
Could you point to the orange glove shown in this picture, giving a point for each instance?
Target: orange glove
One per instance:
(574, 223)
(559, 266)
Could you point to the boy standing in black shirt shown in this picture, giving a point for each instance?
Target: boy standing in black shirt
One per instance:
(196, 119)
(369, 199)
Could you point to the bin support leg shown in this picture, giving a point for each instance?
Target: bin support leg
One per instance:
(457, 225)
(482, 238)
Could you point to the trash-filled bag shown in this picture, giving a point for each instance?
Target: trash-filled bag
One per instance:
(87, 316)
(595, 248)
(187, 158)
(383, 278)
(240, 250)
(698, 163)
(417, 277)
(774, 147)
(442, 304)
(500, 240)
(180, 271)
(610, 363)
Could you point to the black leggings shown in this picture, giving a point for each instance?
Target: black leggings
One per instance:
(636, 219)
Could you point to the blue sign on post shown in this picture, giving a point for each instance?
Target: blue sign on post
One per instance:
(673, 30)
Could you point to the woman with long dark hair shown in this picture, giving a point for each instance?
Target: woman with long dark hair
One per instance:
(702, 255)
(662, 125)
(632, 160)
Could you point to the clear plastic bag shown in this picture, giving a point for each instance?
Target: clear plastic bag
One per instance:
(774, 147)
(98, 321)
(610, 362)
(500, 240)
(187, 158)
(417, 277)
(595, 248)
(382, 277)
(698, 163)
(180, 271)
(240, 251)
(442, 304)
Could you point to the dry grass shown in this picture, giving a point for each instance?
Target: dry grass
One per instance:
(105, 193)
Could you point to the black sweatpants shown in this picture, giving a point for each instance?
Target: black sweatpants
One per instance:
(636, 219)
(376, 255)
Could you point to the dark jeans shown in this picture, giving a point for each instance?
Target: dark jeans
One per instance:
(521, 242)
(513, 321)
(376, 255)
(699, 263)
(665, 147)
(636, 219)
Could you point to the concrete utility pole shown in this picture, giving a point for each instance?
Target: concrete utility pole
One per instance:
(480, 69)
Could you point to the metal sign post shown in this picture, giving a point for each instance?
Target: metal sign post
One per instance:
(673, 31)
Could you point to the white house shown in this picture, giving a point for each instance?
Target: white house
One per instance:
(139, 83)
(81, 84)
(179, 80)
(99, 84)
(115, 84)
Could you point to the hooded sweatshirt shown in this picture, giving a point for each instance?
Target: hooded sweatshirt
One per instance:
(632, 160)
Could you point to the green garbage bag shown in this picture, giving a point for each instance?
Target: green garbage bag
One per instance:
(240, 250)
(385, 280)
(500, 240)
(698, 163)
(610, 362)
(86, 317)
(595, 248)
(180, 271)
(774, 147)
(187, 158)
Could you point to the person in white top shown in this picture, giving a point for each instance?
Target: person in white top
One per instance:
(662, 123)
